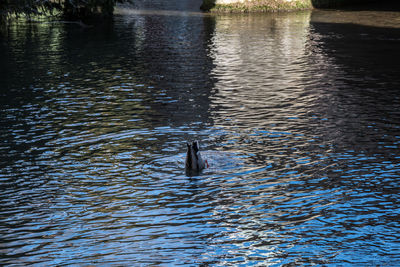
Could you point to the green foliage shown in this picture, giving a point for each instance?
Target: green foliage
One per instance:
(258, 6)
(68, 8)
(27, 7)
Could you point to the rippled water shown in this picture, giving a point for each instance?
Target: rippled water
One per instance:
(298, 115)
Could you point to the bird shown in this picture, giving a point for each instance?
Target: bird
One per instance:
(194, 163)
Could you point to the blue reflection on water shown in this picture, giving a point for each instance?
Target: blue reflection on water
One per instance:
(300, 130)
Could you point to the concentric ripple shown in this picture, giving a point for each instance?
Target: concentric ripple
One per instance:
(297, 115)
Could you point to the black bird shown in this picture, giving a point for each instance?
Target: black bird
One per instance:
(194, 161)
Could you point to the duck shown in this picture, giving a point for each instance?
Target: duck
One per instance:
(194, 163)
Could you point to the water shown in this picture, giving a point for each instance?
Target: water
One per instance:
(298, 114)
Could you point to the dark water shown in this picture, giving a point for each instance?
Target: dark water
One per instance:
(298, 114)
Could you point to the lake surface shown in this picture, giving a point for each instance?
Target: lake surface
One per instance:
(297, 113)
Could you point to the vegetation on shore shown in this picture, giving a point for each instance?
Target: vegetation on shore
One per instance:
(275, 5)
(70, 9)
(257, 6)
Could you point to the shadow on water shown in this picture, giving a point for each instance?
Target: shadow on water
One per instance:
(360, 101)
(371, 5)
(367, 89)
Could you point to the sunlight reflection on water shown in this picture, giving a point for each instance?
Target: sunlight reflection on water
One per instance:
(298, 117)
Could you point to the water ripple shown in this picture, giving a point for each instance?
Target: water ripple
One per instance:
(297, 116)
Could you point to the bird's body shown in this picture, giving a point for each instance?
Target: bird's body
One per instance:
(194, 162)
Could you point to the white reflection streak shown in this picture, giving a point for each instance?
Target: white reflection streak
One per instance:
(253, 65)
(258, 54)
